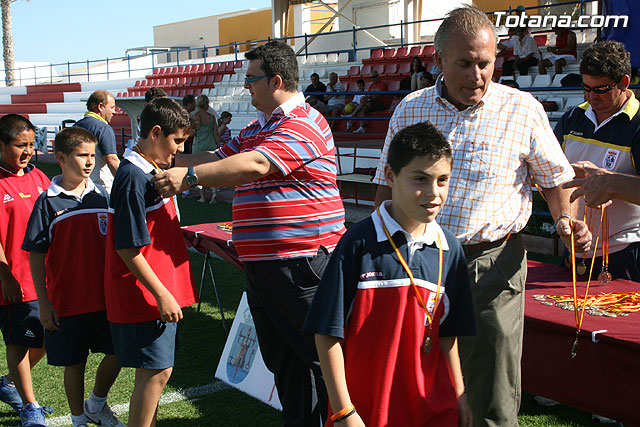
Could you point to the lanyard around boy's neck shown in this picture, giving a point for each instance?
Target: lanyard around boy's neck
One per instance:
(429, 316)
(147, 158)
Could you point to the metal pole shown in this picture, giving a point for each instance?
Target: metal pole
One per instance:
(401, 34)
(129, 65)
(355, 41)
(306, 49)
(235, 49)
(68, 72)
(50, 73)
(107, 68)
(88, 77)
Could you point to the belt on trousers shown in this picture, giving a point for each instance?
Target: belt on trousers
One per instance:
(482, 246)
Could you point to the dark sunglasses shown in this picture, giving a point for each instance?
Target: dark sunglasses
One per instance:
(599, 89)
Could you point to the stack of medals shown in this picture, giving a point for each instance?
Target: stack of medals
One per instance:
(225, 226)
(607, 304)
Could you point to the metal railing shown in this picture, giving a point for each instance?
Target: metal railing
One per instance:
(128, 66)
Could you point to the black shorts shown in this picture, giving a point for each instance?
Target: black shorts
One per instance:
(20, 324)
(147, 345)
(377, 105)
(78, 335)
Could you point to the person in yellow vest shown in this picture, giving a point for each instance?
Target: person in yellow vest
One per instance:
(101, 106)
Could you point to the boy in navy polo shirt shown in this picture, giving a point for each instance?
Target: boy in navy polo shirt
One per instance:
(73, 213)
(393, 299)
(148, 277)
(20, 185)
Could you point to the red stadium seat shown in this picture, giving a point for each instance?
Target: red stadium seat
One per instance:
(428, 51)
(415, 51)
(401, 54)
(210, 79)
(354, 70)
(389, 69)
(404, 69)
(389, 54)
(541, 40)
(182, 93)
(200, 69)
(394, 85)
(378, 67)
(237, 64)
(376, 54)
(365, 71)
(211, 68)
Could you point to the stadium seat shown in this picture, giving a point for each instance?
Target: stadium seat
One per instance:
(224, 106)
(389, 54)
(211, 68)
(542, 80)
(428, 51)
(365, 71)
(402, 54)
(541, 39)
(394, 85)
(377, 67)
(321, 58)
(404, 69)
(572, 102)
(390, 69)
(182, 93)
(352, 86)
(243, 107)
(233, 78)
(524, 81)
(414, 51)
(376, 54)
(225, 78)
(558, 100)
(556, 80)
(332, 58)
(343, 57)
(354, 71)
(233, 107)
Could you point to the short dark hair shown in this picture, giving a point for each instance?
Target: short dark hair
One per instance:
(608, 58)
(153, 93)
(314, 75)
(166, 113)
(223, 116)
(69, 138)
(511, 83)
(419, 140)
(188, 99)
(11, 125)
(96, 98)
(279, 59)
(360, 82)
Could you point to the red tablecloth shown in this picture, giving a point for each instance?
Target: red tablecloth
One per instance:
(209, 237)
(604, 378)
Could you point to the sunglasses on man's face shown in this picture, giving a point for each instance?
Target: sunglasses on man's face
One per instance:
(598, 89)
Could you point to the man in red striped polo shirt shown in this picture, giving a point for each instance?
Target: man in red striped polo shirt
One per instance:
(287, 218)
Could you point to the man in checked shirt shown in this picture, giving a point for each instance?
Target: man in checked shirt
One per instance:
(500, 138)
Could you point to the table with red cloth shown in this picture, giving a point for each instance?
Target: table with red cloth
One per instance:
(213, 237)
(604, 377)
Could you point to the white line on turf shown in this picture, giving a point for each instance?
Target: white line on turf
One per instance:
(166, 398)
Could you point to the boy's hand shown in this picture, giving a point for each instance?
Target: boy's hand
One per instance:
(11, 290)
(49, 316)
(169, 309)
(465, 418)
(351, 421)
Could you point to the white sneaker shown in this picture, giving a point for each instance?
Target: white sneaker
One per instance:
(105, 417)
(348, 125)
(359, 130)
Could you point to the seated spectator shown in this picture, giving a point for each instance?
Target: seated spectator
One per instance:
(508, 43)
(425, 79)
(224, 133)
(357, 99)
(371, 103)
(317, 101)
(562, 53)
(335, 103)
(525, 51)
(511, 83)
(416, 68)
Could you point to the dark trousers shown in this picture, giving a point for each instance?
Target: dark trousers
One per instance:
(279, 294)
(523, 66)
(624, 264)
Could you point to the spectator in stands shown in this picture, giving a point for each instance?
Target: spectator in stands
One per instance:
(335, 103)
(606, 132)
(288, 217)
(357, 99)
(416, 69)
(153, 93)
(425, 80)
(189, 103)
(317, 101)
(205, 139)
(525, 51)
(373, 102)
(101, 106)
(599, 185)
(511, 83)
(224, 133)
(490, 198)
(562, 53)
(508, 43)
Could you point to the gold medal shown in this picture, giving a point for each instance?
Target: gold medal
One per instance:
(428, 342)
(574, 348)
(604, 277)
(581, 268)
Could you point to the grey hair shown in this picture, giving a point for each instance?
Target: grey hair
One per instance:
(468, 20)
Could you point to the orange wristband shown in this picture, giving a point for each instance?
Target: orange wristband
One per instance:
(343, 411)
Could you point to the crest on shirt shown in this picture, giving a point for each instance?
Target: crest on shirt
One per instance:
(243, 351)
(103, 222)
(7, 198)
(610, 159)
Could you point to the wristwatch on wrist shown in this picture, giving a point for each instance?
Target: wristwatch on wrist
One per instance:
(192, 178)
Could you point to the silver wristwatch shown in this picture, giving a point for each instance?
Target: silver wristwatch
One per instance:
(192, 178)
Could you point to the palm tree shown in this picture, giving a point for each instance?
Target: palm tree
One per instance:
(7, 42)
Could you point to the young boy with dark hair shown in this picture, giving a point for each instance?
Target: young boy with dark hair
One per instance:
(20, 185)
(148, 277)
(73, 213)
(393, 299)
